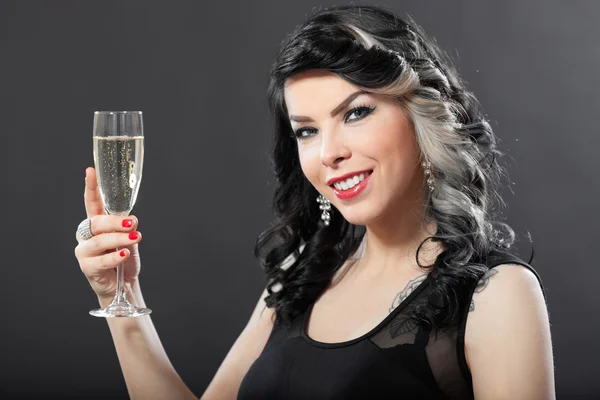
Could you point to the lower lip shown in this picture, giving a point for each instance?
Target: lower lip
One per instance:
(355, 191)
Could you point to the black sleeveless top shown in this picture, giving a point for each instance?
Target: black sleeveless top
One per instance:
(396, 359)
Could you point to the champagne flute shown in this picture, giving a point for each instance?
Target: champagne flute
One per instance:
(119, 158)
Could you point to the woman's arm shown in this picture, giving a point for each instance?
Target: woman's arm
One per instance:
(146, 368)
(150, 375)
(507, 338)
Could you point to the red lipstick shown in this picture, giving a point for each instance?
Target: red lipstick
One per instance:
(355, 191)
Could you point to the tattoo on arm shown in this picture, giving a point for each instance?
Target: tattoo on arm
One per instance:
(482, 284)
(408, 289)
(404, 323)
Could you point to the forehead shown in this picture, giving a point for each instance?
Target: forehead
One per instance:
(310, 91)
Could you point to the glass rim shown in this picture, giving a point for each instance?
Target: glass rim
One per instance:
(117, 112)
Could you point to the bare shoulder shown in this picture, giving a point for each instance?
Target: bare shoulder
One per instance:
(514, 278)
(507, 336)
(244, 351)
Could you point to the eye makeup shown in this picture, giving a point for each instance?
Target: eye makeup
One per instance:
(362, 109)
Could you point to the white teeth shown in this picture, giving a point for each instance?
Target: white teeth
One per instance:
(350, 182)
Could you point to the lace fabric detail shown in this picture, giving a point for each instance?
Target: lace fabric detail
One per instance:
(430, 357)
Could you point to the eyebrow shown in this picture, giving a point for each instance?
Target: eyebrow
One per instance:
(334, 112)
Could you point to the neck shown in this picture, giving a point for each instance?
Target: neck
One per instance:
(393, 239)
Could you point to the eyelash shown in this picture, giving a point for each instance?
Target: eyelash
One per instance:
(362, 107)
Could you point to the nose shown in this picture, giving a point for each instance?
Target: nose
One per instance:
(333, 149)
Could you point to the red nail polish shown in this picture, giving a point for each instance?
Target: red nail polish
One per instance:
(122, 253)
(133, 235)
(127, 223)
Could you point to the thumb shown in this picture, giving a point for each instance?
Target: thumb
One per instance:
(92, 198)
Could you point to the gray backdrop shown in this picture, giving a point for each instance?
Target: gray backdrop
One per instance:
(199, 71)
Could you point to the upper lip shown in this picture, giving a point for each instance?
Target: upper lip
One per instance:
(349, 175)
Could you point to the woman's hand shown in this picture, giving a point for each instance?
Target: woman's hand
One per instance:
(98, 257)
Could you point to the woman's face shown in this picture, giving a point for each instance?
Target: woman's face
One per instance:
(341, 131)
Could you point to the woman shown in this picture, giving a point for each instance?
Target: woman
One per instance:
(396, 281)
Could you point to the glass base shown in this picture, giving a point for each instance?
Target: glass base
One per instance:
(120, 310)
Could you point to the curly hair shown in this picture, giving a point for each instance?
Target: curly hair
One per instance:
(379, 52)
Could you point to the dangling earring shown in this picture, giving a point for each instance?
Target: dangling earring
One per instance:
(325, 206)
(430, 181)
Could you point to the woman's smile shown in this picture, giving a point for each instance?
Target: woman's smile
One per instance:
(352, 187)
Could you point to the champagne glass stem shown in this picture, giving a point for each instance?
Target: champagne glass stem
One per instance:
(120, 297)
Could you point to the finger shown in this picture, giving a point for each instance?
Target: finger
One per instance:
(112, 223)
(106, 242)
(91, 266)
(92, 197)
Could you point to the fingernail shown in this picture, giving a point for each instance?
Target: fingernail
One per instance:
(122, 253)
(127, 223)
(133, 235)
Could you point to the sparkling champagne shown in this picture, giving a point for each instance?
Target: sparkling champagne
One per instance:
(119, 162)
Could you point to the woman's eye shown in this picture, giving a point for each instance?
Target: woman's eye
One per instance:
(359, 111)
(300, 131)
(362, 111)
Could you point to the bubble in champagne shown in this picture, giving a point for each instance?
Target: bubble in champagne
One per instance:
(132, 176)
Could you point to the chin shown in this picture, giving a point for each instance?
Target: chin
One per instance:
(356, 218)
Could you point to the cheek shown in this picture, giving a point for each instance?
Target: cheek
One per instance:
(405, 153)
(389, 140)
(309, 162)
(395, 145)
